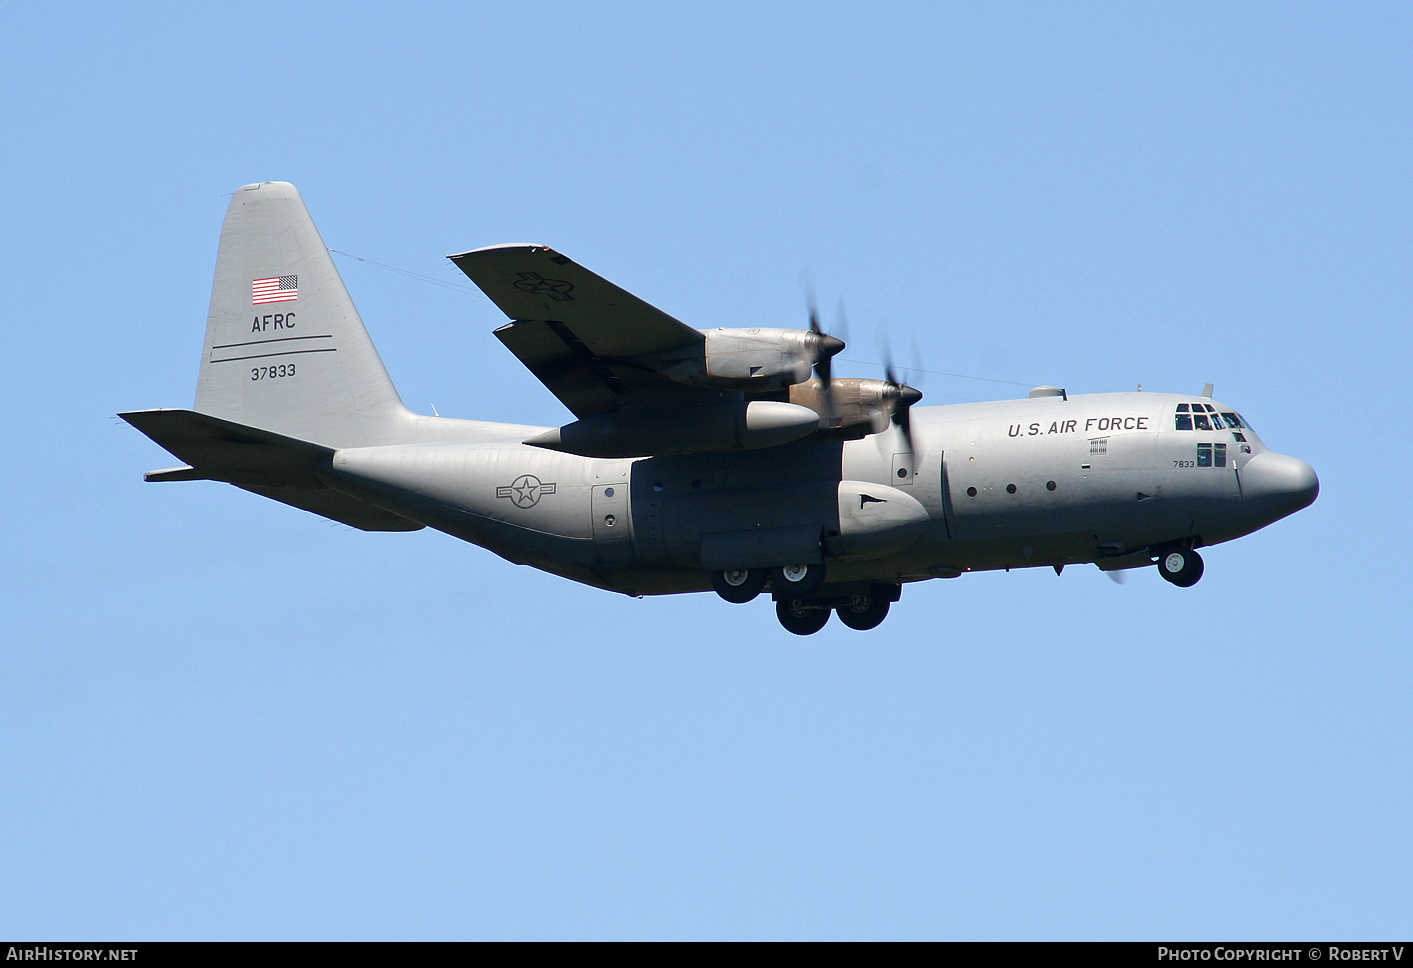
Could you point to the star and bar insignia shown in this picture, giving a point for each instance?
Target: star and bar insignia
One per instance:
(525, 491)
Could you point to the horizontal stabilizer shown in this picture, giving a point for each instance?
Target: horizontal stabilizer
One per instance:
(220, 450)
(265, 463)
(187, 473)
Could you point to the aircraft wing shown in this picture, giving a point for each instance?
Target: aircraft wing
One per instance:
(576, 331)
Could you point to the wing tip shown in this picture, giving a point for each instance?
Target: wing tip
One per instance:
(503, 247)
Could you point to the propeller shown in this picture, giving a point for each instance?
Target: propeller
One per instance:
(902, 395)
(826, 348)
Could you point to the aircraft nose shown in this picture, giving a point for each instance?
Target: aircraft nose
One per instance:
(1284, 482)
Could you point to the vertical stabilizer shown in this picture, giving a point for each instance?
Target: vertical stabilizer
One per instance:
(285, 348)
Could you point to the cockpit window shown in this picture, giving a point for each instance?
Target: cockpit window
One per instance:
(1195, 417)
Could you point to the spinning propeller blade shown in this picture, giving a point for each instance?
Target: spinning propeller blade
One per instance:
(903, 397)
(826, 348)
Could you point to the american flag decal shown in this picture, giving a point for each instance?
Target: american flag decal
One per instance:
(274, 289)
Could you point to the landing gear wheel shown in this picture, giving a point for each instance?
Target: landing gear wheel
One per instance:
(800, 617)
(739, 585)
(796, 581)
(1181, 566)
(864, 612)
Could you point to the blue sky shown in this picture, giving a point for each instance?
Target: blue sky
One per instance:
(224, 718)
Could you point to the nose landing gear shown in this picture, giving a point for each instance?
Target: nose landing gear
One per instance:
(1181, 566)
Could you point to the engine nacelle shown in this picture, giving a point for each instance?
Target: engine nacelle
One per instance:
(748, 359)
(660, 431)
(853, 408)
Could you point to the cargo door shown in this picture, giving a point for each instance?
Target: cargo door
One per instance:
(612, 529)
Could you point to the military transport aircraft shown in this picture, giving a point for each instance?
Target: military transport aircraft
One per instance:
(726, 459)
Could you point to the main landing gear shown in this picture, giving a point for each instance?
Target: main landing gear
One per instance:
(797, 580)
(800, 605)
(740, 585)
(800, 616)
(862, 610)
(1181, 566)
(865, 611)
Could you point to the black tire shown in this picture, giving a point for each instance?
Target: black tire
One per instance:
(796, 581)
(739, 585)
(864, 612)
(800, 617)
(1181, 566)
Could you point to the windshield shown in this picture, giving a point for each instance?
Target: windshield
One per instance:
(1204, 416)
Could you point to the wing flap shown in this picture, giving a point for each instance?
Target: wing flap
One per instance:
(579, 379)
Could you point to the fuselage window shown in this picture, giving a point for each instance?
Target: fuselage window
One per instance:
(1184, 421)
(1233, 421)
(1204, 455)
(1202, 422)
(1219, 455)
(1182, 408)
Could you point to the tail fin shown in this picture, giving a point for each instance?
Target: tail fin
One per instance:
(285, 348)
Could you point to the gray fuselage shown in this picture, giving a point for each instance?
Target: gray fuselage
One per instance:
(1043, 481)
